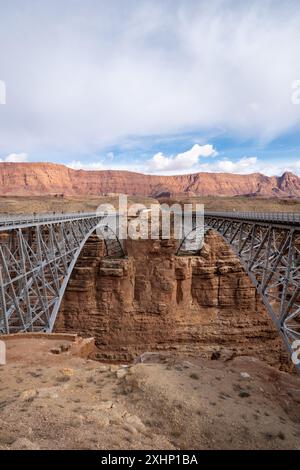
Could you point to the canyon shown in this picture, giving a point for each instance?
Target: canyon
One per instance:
(40, 179)
(153, 301)
(144, 344)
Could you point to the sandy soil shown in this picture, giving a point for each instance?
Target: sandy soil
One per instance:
(25, 205)
(243, 203)
(39, 204)
(60, 401)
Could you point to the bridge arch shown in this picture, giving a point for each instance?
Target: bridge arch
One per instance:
(113, 248)
(38, 254)
(37, 257)
(269, 251)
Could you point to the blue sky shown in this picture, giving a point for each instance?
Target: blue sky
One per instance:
(157, 86)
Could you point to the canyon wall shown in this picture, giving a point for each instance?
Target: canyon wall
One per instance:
(155, 301)
(35, 179)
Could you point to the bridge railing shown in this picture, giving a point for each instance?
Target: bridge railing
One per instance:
(32, 219)
(278, 217)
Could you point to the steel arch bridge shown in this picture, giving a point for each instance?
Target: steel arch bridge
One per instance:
(37, 257)
(38, 254)
(268, 246)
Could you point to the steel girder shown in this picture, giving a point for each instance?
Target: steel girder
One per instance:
(268, 247)
(37, 256)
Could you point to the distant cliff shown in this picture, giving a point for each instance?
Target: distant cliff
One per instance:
(33, 179)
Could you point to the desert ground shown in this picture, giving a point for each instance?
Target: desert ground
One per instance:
(51, 398)
(40, 204)
(243, 203)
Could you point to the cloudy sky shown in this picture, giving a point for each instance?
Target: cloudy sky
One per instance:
(158, 86)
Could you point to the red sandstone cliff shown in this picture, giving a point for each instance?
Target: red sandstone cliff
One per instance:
(34, 179)
(156, 301)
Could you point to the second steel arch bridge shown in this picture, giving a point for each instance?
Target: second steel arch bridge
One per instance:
(268, 246)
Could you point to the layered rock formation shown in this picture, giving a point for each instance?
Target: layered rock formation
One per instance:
(32, 179)
(155, 301)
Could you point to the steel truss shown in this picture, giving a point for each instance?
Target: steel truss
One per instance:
(268, 247)
(37, 256)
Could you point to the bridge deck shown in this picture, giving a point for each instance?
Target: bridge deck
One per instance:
(12, 221)
(26, 220)
(286, 218)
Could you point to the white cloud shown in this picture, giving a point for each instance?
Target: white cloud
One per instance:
(148, 68)
(160, 164)
(278, 169)
(78, 165)
(244, 165)
(181, 161)
(15, 158)
(248, 165)
(105, 162)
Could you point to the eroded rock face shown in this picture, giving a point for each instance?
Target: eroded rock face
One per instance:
(155, 301)
(36, 179)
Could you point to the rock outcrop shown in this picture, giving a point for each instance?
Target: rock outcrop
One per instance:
(34, 179)
(155, 301)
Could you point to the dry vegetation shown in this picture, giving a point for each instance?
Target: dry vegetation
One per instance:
(42, 204)
(242, 203)
(60, 401)
(38, 204)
